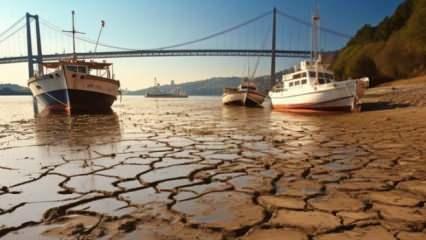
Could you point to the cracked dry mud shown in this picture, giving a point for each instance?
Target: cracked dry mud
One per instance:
(194, 170)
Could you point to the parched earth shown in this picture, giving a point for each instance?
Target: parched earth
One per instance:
(185, 171)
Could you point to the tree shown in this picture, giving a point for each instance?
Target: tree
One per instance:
(363, 66)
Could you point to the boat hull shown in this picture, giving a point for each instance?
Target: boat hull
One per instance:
(75, 101)
(74, 93)
(338, 96)
(242, 98)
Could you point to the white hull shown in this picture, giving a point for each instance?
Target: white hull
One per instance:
(330, 96)
(237, 98)
(245, 98)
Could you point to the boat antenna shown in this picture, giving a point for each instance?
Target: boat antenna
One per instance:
(99, 35)
(73, 31)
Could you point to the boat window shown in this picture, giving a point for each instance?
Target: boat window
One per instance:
(322, 80)
(312, 74)
(290, 84)
(296, 76)
(304, 74)
(72, 68)
(304, 81)
(81, 69)
(296, 83)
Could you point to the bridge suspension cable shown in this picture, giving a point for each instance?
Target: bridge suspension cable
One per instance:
(216, 34)
(12, 33)
(304, 22)
(12, 26)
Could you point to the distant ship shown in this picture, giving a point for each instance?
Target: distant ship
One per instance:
(72, 85)
(245, 95)
(311, 86)
(156, 92)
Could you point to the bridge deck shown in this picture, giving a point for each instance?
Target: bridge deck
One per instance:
(167, 53)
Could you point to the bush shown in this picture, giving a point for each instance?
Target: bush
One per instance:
(362, 66)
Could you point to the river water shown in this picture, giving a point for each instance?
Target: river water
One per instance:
(210, 170)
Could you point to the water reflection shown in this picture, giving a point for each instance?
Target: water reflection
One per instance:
(77, 130)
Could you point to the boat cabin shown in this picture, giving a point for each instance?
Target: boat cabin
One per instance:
(248, 85)
(99, 69)
(307, 73)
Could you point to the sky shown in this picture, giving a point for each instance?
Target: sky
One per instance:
(145, 24)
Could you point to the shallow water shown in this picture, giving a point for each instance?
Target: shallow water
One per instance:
(209, 165)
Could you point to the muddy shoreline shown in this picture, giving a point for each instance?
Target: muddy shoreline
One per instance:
(180, 171)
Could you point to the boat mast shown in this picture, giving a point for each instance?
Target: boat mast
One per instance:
(73, 31)
(315, 35)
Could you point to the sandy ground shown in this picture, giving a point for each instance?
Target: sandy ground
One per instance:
(325, 177)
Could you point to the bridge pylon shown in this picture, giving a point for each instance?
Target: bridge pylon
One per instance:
(31, 58)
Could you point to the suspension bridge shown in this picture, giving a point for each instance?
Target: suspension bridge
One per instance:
(17, 43)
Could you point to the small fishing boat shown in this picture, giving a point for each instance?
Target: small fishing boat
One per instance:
(245, 95)
(311, 86)
(73, 85)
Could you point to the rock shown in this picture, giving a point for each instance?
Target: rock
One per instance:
(368, 233)
(275, 234)
(309, 221)
(336, 201)
(282, 202)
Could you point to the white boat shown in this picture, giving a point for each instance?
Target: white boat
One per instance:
(72, 85)
(245, 95)
(311, 86)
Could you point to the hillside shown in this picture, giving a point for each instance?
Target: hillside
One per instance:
(13, 89)
(394, 49)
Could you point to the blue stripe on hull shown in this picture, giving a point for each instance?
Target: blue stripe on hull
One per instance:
(55, 99)
(76, 101)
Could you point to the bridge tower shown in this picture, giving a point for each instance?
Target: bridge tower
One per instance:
(31, 58)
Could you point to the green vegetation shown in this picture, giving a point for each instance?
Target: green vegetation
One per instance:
(394, 49)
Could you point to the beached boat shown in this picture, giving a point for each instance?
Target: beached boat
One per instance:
(72, 85)
(75, 86)
(174, 91)
(311, 86)
(245, 95)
